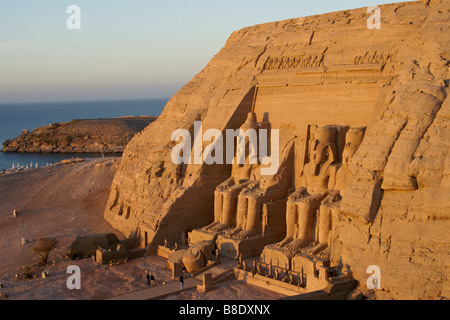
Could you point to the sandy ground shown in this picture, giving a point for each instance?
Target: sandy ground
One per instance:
(62, 202)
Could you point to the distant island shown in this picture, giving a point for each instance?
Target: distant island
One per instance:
(80, 136)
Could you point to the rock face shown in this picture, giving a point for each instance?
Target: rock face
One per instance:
(303, 73)
(90, 136)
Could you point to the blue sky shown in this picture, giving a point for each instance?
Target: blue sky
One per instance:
(125, 48)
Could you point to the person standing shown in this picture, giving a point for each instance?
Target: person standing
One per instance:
(152, 280)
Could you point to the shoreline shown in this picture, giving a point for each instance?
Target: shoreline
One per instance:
(25, 165)
(87, 136)
(62, 162)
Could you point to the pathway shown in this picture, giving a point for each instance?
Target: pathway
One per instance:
(160, 291)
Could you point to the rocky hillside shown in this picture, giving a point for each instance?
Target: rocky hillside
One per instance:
(395, 212)
(85, 136)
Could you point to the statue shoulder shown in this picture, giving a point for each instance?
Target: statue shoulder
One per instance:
(335, 167)
(308, 167)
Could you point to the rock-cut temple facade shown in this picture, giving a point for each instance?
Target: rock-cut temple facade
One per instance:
(364, 136)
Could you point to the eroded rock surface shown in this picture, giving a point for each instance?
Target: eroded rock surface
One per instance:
(310, 72)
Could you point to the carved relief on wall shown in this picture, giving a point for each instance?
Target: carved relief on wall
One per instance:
(304, 61)
(374, 58)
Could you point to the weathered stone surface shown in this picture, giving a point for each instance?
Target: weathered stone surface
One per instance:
(306, 73)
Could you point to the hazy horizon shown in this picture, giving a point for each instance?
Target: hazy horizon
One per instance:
(81, 100)
(132, 49)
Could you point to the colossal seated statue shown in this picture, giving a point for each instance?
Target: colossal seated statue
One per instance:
(353, 140)
(263, 189)
(311, 210)
(226, 194)
(318, 179)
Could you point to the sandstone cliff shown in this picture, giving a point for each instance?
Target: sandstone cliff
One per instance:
(84, 136)
(321, 70)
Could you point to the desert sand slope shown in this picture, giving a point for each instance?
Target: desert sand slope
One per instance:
(63, 201)
(59, 201)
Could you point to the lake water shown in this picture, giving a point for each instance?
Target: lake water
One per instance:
(16, 117)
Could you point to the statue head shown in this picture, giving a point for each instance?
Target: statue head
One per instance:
(323, 148)
(353, 141)
(250, 123)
